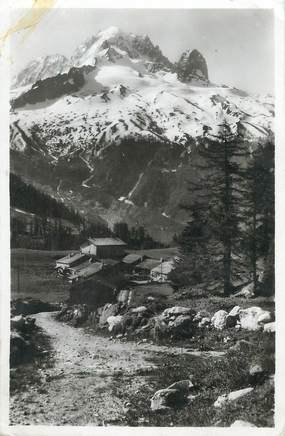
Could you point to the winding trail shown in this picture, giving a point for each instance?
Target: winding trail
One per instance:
(81, 387)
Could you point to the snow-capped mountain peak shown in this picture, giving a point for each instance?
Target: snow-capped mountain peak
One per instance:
(120, 107)
(42, 68)
(112, 43)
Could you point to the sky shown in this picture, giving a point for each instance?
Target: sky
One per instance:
(238, 44)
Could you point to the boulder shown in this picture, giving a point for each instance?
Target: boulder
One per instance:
(253, 318)
(219, 320)
(113, 321)
(182, 326)
(176, 311)
(256, 374)
(224, 399)
(107, 311)
(171, 396)
(164, 399)
(269, 327)
(241, 423)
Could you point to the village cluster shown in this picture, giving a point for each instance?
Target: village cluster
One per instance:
(107, 254)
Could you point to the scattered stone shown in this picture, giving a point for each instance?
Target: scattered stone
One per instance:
(114, 321)
(177, 310)
(198, 317)
(255, 369)
(176, 393)
(241, 423)
(241, 345)
(246, 292)
(253, 318)
(235, 311)
(143, 420)
(257, 374)
(123, 296)
(271, 380)
(222, 400)
(269, 327)
(219, 320)
(107, 311)
(204, 322)
(139, 309)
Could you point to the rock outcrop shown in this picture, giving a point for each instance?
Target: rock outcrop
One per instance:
(192, 66)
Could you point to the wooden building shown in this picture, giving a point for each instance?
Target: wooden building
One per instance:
(72, 259)
(161, 272)
(104, 247)
(86, 272)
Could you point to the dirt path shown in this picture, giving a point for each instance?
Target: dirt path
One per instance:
(81, 387)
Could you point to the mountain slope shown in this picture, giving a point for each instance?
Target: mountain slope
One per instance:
(42, 68)
(117, 132)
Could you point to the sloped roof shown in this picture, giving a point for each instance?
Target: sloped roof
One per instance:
(158, 253)
(82, 265)
(88, 271)
(148, 264)
(71, 258)
(106, 241)
(133, 258)
(110, 262)
(154, 289)
(164, 268)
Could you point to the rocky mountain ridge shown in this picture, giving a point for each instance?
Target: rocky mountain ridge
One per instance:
(111, 44)
(116, 133)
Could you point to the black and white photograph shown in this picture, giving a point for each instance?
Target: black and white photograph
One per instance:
(142, 217)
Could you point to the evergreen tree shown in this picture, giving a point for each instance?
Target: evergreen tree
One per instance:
(257, 212)
(219, 198)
